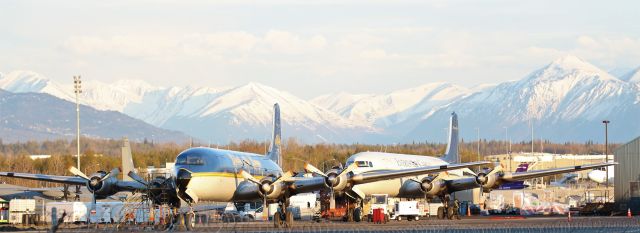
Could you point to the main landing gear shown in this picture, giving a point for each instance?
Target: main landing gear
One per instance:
(448, 210)
(190, 219)
(283, 216)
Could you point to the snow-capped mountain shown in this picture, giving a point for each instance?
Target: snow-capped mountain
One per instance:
(210, 114)
(394, 107)
(40, 116)
(632, 76)
(565, 100)
(247, 112)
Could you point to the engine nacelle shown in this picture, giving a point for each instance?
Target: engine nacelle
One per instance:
(272, 189)
(104, 188)
(488, 181)
(337, 180)
(433, 187)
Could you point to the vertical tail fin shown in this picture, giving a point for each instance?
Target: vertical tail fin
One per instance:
(274, 149)
(523, 167)
(451, 154)
(127, 160)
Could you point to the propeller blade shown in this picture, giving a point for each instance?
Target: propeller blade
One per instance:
(496, 169)
(113, 172)
(77, 172)
(249, 177)
(310, 168)
(137, 178)
(349, 168)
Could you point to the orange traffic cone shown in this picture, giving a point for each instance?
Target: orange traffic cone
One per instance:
(569, 217)
(629, 213)
(468, 211)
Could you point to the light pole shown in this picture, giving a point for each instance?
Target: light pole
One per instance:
(479, 157)
(77, 89)
(606, 153)
(506, 144)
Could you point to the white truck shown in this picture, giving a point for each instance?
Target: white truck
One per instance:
(76, 211)
(406, 210)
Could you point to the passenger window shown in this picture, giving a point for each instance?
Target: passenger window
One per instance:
(195, 161)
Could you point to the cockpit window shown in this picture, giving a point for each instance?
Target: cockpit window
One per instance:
(363, 163)
(190, 159)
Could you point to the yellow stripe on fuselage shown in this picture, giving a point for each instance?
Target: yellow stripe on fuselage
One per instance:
(220, 174)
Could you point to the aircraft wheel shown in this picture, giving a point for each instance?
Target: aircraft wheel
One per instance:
(277, 219)
(357, 214)
(190, 221)
(289, 219)
(451, 213)
(440, 212)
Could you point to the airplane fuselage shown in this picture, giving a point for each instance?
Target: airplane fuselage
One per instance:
(212, 174)
(377, 161)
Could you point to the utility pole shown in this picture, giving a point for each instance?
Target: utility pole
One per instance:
(606, 153)
(77, 89)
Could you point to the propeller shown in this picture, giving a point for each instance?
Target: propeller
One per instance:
(77, 172)
(310, 168)
(137, 178)
(94, 181)
(482, 178)
(333, 179)
(265, 186)
(113, 172)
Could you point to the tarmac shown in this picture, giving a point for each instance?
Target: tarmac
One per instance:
(467, 224)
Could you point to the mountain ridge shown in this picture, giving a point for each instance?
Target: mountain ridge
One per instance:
(568, 92)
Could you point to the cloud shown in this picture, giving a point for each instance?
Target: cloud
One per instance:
(290, 43)
(219, 45)
(373, 54)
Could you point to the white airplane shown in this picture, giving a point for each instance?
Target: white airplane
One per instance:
(429, 185)
(208, 174)
(598, 175)
(566, 179)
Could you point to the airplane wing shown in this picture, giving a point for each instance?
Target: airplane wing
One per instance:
(554, 171)
(393, 174)
(73, 180)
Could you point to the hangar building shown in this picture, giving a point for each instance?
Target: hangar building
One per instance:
(627, 176)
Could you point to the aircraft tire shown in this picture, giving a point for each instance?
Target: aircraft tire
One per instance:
(289, 219)
(440, 212)
(451, 213)
(357, 214)
(190, 221)
(277, 219)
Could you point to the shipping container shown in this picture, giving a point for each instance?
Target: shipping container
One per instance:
(24, 211)
(105, 212)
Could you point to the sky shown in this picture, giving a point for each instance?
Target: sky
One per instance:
(309, 47)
